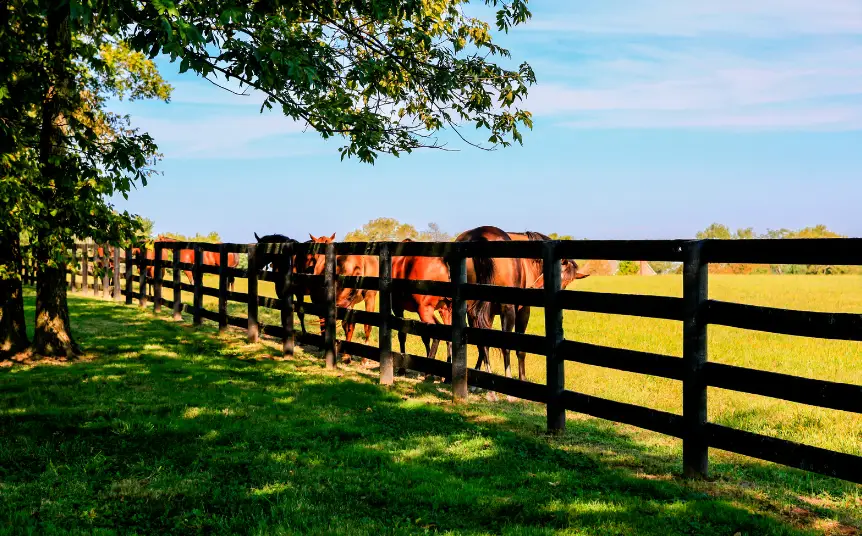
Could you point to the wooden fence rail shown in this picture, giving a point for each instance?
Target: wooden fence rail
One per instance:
(694, 310)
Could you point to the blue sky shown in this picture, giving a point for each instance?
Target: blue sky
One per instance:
(653, 118)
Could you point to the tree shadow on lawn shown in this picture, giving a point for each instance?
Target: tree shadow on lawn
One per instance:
(162, 434)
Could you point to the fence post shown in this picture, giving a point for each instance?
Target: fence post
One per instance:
(118, 294)
(130, 263)
(96, 259)
(253, 323)
(458, 275)
(695, 452)
(289, 341)
(157, 277)
(105, 271)
(385, 332)
(85, 268)
(142, 276)
(222, 287)
(73, 276)
(329, 350)
(555, 367)
(178, 291)
(197, 277)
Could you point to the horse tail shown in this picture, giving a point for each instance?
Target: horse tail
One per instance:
(481, 310)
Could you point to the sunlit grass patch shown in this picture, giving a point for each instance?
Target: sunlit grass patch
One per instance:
(173, 429)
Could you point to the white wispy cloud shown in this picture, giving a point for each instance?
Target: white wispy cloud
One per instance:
(689, 18)
(250, 135)
(655, 67)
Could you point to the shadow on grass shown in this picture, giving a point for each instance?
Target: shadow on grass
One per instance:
(174, 429)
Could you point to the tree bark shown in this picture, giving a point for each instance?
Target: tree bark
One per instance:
(53, 333)
(13, 326)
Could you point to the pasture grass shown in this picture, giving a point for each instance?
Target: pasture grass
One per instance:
(165, 428)
(839, 361)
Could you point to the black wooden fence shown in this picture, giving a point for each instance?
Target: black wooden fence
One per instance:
(694, 310)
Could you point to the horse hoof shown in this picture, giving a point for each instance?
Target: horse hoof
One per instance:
(510, 398)
(491, 396)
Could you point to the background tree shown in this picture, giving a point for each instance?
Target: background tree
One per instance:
(387, 75)
(210, 238)
(715, 231)
(82, 153)
(433, 233)
(382, 230)
(628, 268)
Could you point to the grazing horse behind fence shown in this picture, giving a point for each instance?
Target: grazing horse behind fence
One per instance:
(208, 258)
(518, 273)
(348, 265)
(281, 264)
(422, 269)
(534, 271)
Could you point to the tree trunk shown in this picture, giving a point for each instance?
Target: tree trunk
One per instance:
(53, 335)
(13, 327)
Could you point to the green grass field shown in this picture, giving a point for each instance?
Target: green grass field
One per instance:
(164, 428)
(812, 358)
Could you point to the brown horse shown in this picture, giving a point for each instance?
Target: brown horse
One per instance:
(422, 269)
(151, 269)
(518, 273)
(209, 258)
(534, 271)
(349, 265)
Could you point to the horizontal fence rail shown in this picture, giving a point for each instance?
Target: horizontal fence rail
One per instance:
(106, 270)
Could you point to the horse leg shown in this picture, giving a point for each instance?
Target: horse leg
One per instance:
(522, 318)
(402, 339)
(348, 334)
(507, 322)
(426, 314)
(370, 306)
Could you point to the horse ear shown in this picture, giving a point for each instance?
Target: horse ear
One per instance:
(313, 238)
(256, 237)
(332, 237)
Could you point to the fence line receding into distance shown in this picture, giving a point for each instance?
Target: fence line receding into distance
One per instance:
(694, 310)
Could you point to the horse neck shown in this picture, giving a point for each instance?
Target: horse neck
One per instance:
(533, 271)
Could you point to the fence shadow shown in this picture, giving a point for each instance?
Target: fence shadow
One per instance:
(173, 429)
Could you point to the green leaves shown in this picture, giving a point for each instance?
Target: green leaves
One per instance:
(386, 75)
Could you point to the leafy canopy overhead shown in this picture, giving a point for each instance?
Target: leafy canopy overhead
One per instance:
(385, 74)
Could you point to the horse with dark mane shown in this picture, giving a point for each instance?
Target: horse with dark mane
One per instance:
(534, 272)
(281, 264)
(422, 269)
(518, 273)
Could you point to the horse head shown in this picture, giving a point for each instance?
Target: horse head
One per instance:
(278, 263)
(314, 263)
(569, 273)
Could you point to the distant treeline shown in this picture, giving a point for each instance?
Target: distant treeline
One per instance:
(390, 229)
(723, 232)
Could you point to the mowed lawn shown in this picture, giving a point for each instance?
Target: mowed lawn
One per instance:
(164, 428)
(838, 361)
